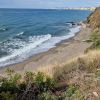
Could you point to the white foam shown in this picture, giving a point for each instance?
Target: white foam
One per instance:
(34, 42)
(35, 45)
(54, 40)
(21, 33)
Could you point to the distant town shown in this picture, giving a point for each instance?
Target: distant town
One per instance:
(82, 8)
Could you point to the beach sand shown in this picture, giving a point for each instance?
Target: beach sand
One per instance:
(63, 52)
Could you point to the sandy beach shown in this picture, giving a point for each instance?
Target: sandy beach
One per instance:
(63, 52)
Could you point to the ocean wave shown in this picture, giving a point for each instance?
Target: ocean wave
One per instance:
(24, 48)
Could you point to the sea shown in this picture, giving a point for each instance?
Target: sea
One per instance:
(26, 32)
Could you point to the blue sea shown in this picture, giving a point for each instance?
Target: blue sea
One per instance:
(26, 32)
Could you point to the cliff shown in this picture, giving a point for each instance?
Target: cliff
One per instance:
(94, 22)
(94, 19)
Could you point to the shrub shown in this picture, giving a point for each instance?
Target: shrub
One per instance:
(29, 77)
(97, 73)
(79, 95)
(9, 87)
(50, 83)
(11, 83)
(6, 96)
(43, 82)
(15, 79)
(47, 96)
(70, 91)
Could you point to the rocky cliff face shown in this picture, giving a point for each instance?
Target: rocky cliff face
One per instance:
(94, 19)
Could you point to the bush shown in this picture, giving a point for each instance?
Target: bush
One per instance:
(6, 96)
(32, 84)
(29, 77)
(95, 38)
(70, 91)
(79, 95)
(97, 73)
(9, 87)
(11, 83)
(47, 96)
(43, 82)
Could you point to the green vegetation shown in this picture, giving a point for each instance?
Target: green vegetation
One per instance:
(32, 87)
(95, 38)
(47, 96)
(73, 93)
(97, 73)
(70, 91)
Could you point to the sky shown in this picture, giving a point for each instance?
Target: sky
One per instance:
(48, 3)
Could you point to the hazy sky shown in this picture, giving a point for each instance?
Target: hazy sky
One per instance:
(47, 3)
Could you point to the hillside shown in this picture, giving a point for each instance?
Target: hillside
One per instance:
(94, 22)
(94, 19)
(77, 79)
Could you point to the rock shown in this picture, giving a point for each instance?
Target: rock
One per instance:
(96, 94)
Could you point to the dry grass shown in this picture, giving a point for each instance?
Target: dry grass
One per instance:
(82, 71)
(88, 62)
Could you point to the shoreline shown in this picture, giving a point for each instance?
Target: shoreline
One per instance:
(54, 55)
(18, 57)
